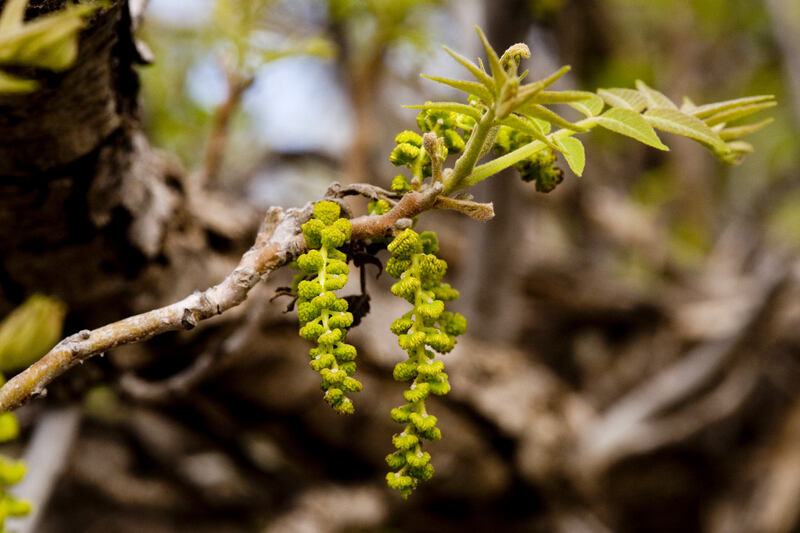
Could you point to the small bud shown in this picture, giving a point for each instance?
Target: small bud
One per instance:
(404, 154)
(327, 212)
(400, 184)
(409, 137)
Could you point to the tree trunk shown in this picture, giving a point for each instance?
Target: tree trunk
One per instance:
(86, 204)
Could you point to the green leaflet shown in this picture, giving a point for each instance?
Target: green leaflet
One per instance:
(543, 125)
(542, 113)
(740, 147)
(11, 84)
(452, 107)
(624, 99)
(688, 106)
(654, 98)
(49, 41)
(674, 121)
(562, 97)
(574, 153)
(498, 72)
(531, 127)
(527, 92)
(736, 113)
(728, 134)
(705, 111)
(587, 103)
(631, 124)
(469, 87)
(736, 151)
(591, 107)
(480, 75)
(30, 331)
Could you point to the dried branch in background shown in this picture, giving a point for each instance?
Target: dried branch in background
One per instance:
(220, 124)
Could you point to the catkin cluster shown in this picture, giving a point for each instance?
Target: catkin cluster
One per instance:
(11, 472)
(425, 329)
(453, 128)
(539, 168)
(324, 317)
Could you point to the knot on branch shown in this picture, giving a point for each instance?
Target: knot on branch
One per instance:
(188, 320)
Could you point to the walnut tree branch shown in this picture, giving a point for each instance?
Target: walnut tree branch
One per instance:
(278, 242)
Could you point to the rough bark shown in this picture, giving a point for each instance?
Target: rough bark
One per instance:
(89, 211)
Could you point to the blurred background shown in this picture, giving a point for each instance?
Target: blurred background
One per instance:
(631, 363)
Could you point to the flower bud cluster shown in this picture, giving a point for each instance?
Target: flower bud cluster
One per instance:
(410, 153)
(324, 317)
(427, 328)
(453, 127)
(539, 167)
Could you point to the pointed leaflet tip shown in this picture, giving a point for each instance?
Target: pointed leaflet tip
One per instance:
(728, 134)
(679, 123)
(451, 107)
(738, 112)
(574, 154)
(498, 73)
(707, 110)
(528, 91)
(655, 99)
(624, 98)
(469, 87)
(542, 113)
(479, 74)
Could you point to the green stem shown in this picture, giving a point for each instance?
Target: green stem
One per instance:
(418, 354)
(494, 166)
(472, 151)
(326, 313)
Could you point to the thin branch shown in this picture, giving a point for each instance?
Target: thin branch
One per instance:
(373, 192)
(201, 369)
(220, 124)
(175, 386)
(278, 243)
(635, 416)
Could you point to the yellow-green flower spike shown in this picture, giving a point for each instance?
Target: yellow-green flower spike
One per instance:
(425, 329)
(11, 471)
(323, 317)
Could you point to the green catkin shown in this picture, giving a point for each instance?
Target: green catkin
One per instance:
(453, 128)
(425, 329)
(323, 317)
(11, 472)
(539, 168)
